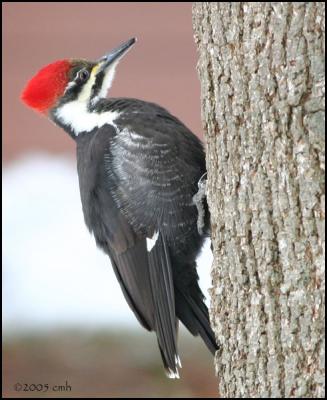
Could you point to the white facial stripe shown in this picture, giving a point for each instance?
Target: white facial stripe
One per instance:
(110, 74)
(107, 81)
(76, 115)
(70, 85)
(85, 94)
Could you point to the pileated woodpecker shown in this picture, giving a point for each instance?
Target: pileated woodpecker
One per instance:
(138, 169)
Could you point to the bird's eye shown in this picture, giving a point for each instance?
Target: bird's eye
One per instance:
(83, 75)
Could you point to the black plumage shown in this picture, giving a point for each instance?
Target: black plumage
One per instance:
(136, 179)
(138, 169)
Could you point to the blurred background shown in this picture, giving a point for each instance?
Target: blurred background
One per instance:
(64, 317)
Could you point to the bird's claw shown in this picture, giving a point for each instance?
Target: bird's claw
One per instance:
(197, 199)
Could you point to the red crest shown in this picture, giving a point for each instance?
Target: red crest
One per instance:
(43, 90)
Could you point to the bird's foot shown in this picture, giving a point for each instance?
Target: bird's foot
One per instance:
(197, 199)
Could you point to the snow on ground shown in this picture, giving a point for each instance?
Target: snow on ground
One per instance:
(53, 273)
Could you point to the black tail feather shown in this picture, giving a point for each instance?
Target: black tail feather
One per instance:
(192, 311)
(166, 322)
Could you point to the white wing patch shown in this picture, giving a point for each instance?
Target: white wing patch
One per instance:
(150, 242)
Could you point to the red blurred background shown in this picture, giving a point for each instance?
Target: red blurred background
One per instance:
(160, 68)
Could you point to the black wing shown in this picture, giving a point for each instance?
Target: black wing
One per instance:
(147, 283)
(145, 275)
(155, 163)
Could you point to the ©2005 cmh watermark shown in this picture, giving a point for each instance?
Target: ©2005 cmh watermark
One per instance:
(41, 387)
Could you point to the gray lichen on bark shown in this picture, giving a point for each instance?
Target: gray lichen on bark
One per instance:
(261, 67)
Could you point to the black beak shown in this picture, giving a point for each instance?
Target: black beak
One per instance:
(115, 54)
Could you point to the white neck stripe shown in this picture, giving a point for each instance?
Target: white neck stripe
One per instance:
(76, 114)
(80, 119)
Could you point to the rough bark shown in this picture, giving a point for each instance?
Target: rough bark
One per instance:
(261, 67)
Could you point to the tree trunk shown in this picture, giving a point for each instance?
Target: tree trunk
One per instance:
(261, 67)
